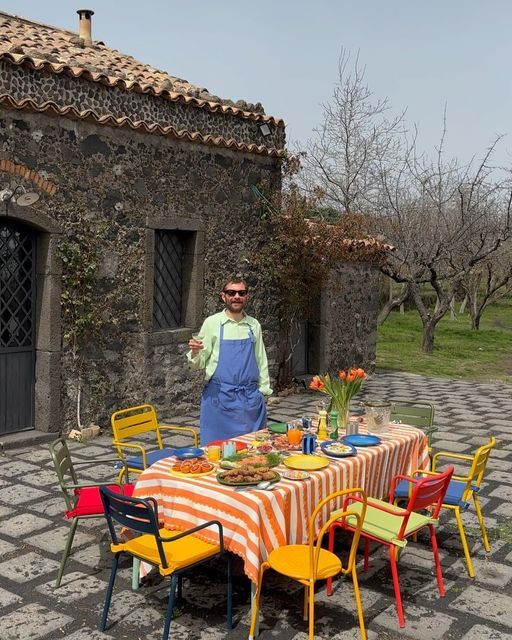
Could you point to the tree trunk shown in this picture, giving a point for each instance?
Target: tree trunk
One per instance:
(475, 321)
(428, 336)
(452, 309)
(391, 304)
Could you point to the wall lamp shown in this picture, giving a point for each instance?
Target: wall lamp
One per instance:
(24, 200)
(265, 130)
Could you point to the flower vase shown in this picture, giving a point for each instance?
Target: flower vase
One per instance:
(343, 418)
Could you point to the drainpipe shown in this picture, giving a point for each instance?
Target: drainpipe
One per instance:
(84, 25)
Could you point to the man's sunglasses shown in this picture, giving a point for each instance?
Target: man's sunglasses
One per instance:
(233, 292)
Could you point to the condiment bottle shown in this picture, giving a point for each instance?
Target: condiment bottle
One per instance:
(333, 425)
(322, 425)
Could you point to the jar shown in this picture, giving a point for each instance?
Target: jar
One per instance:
(378, 413)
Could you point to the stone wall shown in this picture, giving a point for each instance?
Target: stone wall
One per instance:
(21, 83)
(344, 331)
(128, 185)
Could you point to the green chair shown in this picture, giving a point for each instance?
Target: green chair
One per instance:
(418, 414)
(83, 500)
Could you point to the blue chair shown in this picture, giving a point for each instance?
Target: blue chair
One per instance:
(172, 552)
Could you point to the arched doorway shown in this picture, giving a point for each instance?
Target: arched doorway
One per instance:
(17, 326)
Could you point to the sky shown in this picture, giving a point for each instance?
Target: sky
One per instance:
(421, 55)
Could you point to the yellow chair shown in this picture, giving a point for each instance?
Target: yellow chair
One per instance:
(308, 563)
(135, 422)
(462, 488)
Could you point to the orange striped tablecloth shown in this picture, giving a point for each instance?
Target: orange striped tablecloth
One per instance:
(255, 522)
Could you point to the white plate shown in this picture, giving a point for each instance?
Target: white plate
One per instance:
(295, 475)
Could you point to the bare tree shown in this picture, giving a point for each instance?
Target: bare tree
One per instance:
(342, 158)
(444, 219)
(487, 283)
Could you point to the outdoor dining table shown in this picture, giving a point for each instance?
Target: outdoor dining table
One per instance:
(255, 522)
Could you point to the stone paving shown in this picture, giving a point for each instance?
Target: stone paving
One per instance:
(32, 534)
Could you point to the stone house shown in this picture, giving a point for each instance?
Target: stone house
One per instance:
(116, 169)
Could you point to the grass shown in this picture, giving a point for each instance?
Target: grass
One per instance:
(459, 352)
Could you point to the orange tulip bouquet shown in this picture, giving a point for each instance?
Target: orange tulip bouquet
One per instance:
(341, 390)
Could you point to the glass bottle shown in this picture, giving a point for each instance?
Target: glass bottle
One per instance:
(322, 425)
(333, 425)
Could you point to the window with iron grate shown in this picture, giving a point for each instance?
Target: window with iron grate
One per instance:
(168, 291)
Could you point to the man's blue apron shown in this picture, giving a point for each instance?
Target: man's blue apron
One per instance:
(231, 404)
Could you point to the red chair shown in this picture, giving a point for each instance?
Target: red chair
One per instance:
(83, 500)
(390, 525)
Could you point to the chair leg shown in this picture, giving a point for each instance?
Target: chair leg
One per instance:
(179, 590)
(67, 550)
(170, 606)
(366, 554)
(331, 549)
(305, 602)
(229, 614)
(359, 605)
(108, 597)
(135, 574)
(311, 595)
(465, 546)
(396, 587)
(481, 522)
(435, 550)
(256, 601)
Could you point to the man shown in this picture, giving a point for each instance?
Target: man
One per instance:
(230, 348)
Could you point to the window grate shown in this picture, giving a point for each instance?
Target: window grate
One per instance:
(16, 287)
(168, 283)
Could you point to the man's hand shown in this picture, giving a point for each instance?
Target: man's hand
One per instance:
(195, 346)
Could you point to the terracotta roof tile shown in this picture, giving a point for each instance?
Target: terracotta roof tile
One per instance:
(60, 51)
(88, 114)
(369, 243)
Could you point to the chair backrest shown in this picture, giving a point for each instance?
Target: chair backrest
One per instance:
(418, 414)
(134, 421)
(479, 463)
(427, 493)
(138, 514)
(430, 491)
(64, 469)
(315, 542)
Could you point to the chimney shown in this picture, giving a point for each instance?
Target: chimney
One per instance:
(84, 25)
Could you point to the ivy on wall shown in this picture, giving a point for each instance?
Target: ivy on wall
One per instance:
(92, 315)
(301, 252)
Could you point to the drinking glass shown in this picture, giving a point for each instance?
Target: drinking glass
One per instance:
(228, 449)
(294, 435)
(213, 453)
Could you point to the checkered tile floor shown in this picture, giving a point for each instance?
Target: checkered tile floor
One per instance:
(32, 534)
